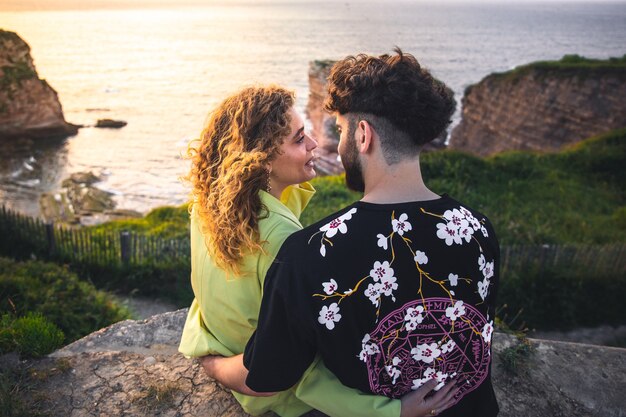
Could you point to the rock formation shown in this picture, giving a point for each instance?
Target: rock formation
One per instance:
(132, 368)
(79, 201)
(542, 106)
(29, 107)
(323, 124)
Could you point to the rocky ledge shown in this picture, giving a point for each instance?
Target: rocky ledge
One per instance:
(542, 106)
(132, 368)
(29, 107)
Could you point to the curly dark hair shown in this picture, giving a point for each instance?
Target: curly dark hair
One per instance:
(395, 89)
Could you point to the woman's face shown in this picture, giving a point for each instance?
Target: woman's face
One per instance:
(295, 162)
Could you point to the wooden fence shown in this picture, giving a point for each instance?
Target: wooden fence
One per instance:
(22, 235)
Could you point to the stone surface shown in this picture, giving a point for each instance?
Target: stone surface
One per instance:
(29, 107)
(539, 109)
(132, 369)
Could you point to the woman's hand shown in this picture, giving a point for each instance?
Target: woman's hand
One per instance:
(230, 372)
(414, 404)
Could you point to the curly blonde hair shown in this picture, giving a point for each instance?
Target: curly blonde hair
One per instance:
(229, 167)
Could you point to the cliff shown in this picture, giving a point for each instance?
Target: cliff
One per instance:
(542, 106)
(28, 105)
(133, 368)
(323, 124)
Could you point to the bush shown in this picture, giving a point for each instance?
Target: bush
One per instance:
(563, 298)
(76, 307)
(31, 336)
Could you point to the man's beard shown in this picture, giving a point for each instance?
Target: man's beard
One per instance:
(351, 163)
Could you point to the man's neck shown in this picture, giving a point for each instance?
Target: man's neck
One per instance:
(398, 183)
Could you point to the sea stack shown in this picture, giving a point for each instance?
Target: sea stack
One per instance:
(543, 106)
(29, 107)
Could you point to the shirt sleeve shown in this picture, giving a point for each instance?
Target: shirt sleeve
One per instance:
(282, 347)
(320, 389)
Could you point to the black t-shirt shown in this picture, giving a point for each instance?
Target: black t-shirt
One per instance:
(390, 295)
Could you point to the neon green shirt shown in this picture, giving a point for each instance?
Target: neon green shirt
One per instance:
(224, 313)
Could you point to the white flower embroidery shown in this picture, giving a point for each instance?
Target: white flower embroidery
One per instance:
(382, 241)
(413, 317)
(367, 349)
(466, 233)
(487, 332)
(455, 311)
(455, 219)
(401, 225)
(373, 293)
(441, 378)
(392, 371)
(448, 233)
(330, 287)
(454, 279)
(481, 262)
(323, 250)
(428, 375)
(484, 230)
(329, 315)
(388, 284)
(426, 352)
(420, 258)
(488, 270)
(483, 288)
(338, 224)
(448, 346)
(466, 213)
(381, 270)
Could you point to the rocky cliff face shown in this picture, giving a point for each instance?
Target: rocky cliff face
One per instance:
(28, 105)
(540, 108)
(132, 368)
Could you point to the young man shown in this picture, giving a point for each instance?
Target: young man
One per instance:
(395, 292)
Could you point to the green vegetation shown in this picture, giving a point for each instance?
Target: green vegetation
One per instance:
(574, 196)
(32, 290)
(569, 65)
(514, 358)
(164, 222)
(31, 336)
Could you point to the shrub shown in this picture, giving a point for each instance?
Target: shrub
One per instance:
(31, 336)
(76, 307)
(563, 298)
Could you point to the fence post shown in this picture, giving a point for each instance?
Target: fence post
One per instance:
(125, 247)
(52, 246)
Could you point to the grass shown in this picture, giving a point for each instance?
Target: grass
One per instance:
(569, 65)
(514, 358)
(573, 196)
(156, 397)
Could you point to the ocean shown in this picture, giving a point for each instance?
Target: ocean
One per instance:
(162, 70)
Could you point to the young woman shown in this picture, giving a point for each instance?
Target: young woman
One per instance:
(249, 173)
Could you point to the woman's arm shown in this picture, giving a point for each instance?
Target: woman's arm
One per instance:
(320, 389)
(231, 373)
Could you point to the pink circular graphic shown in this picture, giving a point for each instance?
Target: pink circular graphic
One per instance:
(402, 359)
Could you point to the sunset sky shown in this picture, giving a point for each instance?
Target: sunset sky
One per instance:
(27, 5)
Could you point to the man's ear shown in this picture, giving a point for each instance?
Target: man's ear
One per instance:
(364, 136)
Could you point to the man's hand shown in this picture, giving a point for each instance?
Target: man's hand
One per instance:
(414, 404)
(231, 373)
